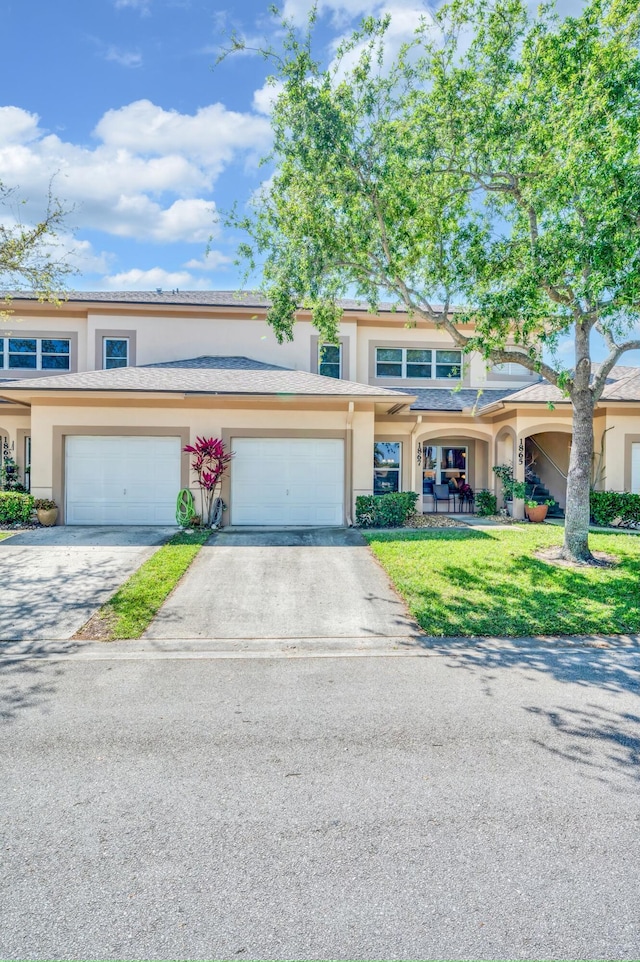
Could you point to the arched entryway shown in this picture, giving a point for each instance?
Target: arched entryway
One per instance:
(453, 460)
(546, 451)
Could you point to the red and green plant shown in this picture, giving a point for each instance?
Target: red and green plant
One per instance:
(210, 461)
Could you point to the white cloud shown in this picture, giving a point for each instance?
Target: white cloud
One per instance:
(142, 6)
(149, 176)
(211, 136)
(212, 261)
(126, 58)
(265, 97)
(139, 280)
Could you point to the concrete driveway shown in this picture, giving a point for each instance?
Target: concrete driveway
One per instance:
(53, 579)
(292, 583)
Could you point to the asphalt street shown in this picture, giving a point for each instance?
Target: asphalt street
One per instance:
(451, 805)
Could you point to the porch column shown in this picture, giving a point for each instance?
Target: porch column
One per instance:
(518, 503)
(416, 469)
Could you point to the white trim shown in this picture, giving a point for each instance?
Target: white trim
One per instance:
(104, 350)
(5, 352)
(321, 346)
(432, 363)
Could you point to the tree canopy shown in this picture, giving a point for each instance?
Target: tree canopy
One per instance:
(30, 257)
(492, 165)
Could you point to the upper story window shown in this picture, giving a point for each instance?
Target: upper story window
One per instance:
(516, 369)
(407, 362)
(116, 352)
(330, 360)
(34, 353)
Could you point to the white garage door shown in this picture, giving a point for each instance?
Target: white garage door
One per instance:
(635, 468)
(112, 480)
(287, 481)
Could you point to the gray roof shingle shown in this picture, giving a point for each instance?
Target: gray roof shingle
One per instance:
(444, 399)
(250, 299)
(207, 375)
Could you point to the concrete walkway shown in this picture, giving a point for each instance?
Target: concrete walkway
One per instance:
(53, 579)
(318, 583)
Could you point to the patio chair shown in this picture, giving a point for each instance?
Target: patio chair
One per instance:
(441, 492)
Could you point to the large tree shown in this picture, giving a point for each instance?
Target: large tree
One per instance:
(493, 163)
(31, 257)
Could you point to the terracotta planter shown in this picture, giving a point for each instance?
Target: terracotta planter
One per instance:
(47, 517)
(538, 514)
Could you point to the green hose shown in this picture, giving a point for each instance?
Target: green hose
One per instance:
(185, 509)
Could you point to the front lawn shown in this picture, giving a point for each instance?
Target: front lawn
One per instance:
(489, 582)
(134, 605)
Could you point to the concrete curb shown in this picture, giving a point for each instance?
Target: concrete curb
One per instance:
(288, 648)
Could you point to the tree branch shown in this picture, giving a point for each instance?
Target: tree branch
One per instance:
(615, 352)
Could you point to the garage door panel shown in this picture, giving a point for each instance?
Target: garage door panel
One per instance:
(287, 481)
(122, 480)
(635, 468)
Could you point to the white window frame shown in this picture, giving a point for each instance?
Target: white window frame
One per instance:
(105, 340)
(320, 361)
(5, 352)
(432, 362)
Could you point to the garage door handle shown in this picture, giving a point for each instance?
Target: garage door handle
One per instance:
(125, 491)
(287, 491)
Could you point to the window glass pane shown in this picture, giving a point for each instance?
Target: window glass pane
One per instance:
(330, 353)
(22, 360)
(116, 352)
(54, 346)
(418, 370)
(22, 345)
(1, 352)
(449, 357)
(386, 483)
(386, 454)
(55, 362)
(329, 360)
(329, 370)
(448, 364)
(116, 348)
(388, 370)
(389, 354)
(422, 357)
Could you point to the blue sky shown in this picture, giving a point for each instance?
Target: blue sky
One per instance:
(119, 102)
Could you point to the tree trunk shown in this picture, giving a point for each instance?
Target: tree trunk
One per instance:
(577, 511)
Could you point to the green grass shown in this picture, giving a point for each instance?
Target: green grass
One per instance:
(5, 534)
(490, 583)
(134, 605)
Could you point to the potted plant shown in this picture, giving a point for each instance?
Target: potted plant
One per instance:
(47, 512)
(515, 492)
(536, 513)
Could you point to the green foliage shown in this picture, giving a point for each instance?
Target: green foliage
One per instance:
(29, 255)
(44, 504)
(15, 508)
(492, 163)
(486, 503)
(609, 505)
(511, 489)
(385, 510)
(130, 611)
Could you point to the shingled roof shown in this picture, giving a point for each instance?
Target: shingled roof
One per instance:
(443, 399)
(623, 384)
(207, 375)
(177, 298)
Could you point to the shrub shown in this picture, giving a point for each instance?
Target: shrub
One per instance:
(607, 505)
(486, 503)
(385, 510)
(15, 507)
